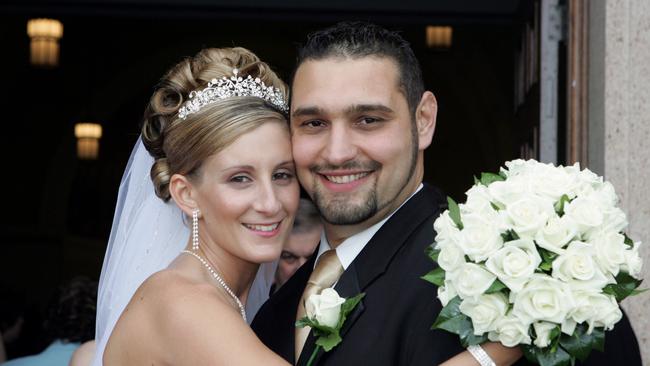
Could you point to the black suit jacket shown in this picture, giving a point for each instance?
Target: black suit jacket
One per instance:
(392, 324)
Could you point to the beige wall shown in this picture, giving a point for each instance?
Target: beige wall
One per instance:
(619, 125)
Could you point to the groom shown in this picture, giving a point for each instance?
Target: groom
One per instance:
(360, 121)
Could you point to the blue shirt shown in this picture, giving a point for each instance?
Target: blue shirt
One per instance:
(57, 353)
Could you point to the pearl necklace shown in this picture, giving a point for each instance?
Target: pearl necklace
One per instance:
(220, 281)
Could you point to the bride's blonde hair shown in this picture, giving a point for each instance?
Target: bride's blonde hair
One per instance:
(180, 146)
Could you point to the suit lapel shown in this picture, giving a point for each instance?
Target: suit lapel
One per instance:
(377, 255)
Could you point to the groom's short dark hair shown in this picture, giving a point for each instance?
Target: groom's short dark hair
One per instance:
(362, 39)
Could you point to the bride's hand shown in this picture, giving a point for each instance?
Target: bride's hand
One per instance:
(501, 355)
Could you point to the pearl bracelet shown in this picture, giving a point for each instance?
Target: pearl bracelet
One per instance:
(481, 356)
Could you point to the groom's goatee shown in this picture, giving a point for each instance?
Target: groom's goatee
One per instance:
(340, 211)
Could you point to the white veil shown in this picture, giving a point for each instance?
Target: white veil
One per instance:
(147, 234)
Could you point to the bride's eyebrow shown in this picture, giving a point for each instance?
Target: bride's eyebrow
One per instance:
(285, 164)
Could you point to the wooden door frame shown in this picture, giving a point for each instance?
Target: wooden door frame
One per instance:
(577, 82)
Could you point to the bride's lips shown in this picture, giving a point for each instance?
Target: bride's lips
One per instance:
(266, 230)
(343, 181)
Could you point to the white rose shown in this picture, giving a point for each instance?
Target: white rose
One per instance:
(610, 251)
(471, 280)
(510, 190)
(633, 262)
(543, 298)
(485, 311)
(478, 201)
(510, 331)
(521, 167)
(584, 310)
(479, 238)
(585, 213)
(445, 227)
(543, 333)
(589, 178)
(552, 183)
(556, 234)
(606, 194)
(529, 214)
(446, 292)
(325, 308)
(450, 256)
(515, 263)
(607, 310)
(614, 220)
(576, 267)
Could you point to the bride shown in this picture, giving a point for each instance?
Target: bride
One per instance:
(215, 144)
(224, 158)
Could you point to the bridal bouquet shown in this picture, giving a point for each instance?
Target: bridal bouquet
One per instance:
(535, 257)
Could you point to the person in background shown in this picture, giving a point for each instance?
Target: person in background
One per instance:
(304, 238)
(70, 320)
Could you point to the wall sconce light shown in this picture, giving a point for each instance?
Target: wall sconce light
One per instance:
(44, 45)
(88, 135)
(439, 36)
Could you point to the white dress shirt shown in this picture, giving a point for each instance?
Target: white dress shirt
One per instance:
(352, 246)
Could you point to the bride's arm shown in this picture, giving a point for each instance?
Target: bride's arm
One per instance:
(501, 355)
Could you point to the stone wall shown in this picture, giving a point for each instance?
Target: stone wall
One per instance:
(619, 125)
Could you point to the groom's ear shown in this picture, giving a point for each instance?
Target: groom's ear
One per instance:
(181, 190)
(425, 119)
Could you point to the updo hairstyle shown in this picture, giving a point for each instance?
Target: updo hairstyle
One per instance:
(180, 146)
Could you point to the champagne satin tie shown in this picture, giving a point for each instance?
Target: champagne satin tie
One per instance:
(325, 274)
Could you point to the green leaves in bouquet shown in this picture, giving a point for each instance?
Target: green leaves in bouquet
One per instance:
(437, 277)
(432, 252)
(326, 337)
(497, 286)
(454, 321)
(625, 286)
(509, 235)
(454, 213)
(489, 178)
(559, 205)
(547, 356)
(580, 344)
(547, 259)
(629, 242)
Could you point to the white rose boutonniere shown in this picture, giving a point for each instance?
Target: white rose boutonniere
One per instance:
(325, 314)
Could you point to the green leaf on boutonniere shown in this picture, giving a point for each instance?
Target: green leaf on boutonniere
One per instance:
(546, 356)
(454, 213)
(489, 178)
(496, 286)
(347, 307)
(437, 277)
(580, 344)
(432, 252)
(559, 205)
(329, 341)
(454, 321)
(625, 286)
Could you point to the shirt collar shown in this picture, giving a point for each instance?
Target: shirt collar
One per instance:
(348, 250)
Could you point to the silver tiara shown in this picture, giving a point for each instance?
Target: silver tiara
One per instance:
(234, 86)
